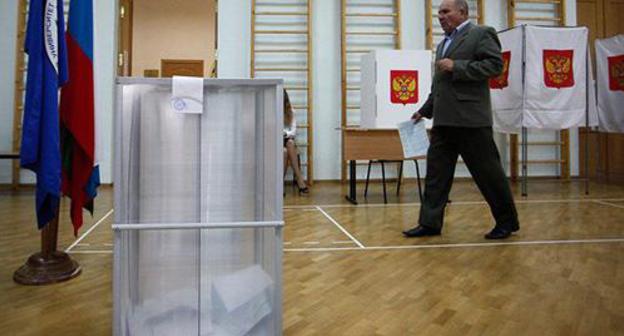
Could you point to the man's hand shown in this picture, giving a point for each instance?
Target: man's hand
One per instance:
(445, 65)
(416, 117)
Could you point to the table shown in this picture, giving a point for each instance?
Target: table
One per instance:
(373, 144)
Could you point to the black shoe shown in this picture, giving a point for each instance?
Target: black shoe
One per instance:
(304, 190)
(421, 231)
(499, 233)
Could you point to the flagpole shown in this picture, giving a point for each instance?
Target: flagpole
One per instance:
(50, 265)
(587, 130)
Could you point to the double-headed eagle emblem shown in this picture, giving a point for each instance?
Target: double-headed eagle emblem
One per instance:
(616, 73)
(404, 87)
(502, 81)
(558, 68)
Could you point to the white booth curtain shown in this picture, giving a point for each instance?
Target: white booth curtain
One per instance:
(546, 84)
(610, 83)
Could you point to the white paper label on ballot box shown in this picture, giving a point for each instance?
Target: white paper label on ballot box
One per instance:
(187, 94)
(394, 85)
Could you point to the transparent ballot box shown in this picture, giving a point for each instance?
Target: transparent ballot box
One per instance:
(198, 210)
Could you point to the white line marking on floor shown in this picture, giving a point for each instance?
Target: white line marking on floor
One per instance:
(439, 246)
(342, 242)
(430, 246)
(382, 205)
(609, 204)
(91, 252)
(340, 227)
(83, 244)
(89, 231)
(311, 243)
(307, 208)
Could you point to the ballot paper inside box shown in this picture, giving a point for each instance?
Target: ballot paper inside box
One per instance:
(241, 300)
(198, 210)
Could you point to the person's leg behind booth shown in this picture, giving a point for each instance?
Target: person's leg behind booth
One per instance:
(291, 154)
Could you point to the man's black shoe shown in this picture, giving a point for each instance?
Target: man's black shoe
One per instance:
(421, 231)
(498, 233)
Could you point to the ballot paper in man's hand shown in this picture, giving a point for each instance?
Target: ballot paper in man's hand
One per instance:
(413, 138)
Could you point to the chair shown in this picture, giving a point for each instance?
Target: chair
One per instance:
(383, 178)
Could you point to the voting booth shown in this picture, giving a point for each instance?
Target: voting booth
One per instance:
(546, 82)
(394, 85)
(198, 209)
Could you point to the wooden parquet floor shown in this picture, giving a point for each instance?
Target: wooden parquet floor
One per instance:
(349, 271)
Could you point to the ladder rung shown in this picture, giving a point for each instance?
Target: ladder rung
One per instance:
(281, 69)
(543, 143)
(281, 50)
(353, 88)
(302, 107)
(353, 70)
(12, 156)
(377, 5)
(528, 18)
(358, 51)
(472, 17)
(543, 161)
(371, 33)
(296, 88)
(371, 15)
(281, 13)
(353, 107)
(539, 1)
(281, 32)
(303, 126)
(523, 11)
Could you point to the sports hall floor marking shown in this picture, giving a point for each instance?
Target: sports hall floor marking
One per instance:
(89, 231)
(604, 201)
(428, 246)
(517, 201)
(92, 252)
(609, 204)
(464, 245)
(333, 222)
(340, 227)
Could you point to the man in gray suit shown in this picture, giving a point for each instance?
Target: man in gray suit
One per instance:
(462, 122)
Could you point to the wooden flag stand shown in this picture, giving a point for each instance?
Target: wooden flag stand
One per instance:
(48, 266)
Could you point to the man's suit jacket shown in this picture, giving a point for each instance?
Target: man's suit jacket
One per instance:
(462, 97)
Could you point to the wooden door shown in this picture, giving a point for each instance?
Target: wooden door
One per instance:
(604, 18)
(124, 47)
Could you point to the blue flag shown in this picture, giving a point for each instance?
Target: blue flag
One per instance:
(47, 72)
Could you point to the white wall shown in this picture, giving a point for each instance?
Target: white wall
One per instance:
(8, 25)
(105, 37)
(326, 83)
(233, 39)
